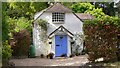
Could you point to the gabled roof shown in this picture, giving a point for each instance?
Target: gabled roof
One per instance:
(63, 29)
(85, 16)
(57, 7)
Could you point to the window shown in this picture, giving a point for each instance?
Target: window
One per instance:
(58, 17)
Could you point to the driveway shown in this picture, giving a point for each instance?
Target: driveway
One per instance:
(59, 61)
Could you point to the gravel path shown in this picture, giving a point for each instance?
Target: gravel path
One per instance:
(74, 61)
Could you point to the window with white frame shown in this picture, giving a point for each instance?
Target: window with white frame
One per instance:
(58, 17)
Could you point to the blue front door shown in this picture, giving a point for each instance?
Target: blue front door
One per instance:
(60, 45)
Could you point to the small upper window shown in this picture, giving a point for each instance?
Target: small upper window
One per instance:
(58, 17)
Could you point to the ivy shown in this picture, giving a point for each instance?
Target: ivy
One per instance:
(43, 24)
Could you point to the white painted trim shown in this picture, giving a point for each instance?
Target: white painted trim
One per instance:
(54, 45)
(69, 46)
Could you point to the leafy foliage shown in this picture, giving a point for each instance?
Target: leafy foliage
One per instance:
(88, 8)
(15, 25)
(67, 4)
(97, 13)
(25, 9)
(23, 23)
(104, 20)
(101, 38)
(82, 7)
(6, 50)
(18, 16)
(108, 7)
(43, 24)
(5, 26)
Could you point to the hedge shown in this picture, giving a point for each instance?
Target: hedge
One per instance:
(22, 43)
(6, 51)
(101, 38)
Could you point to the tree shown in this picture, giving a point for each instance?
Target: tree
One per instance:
(17, 16)
(82, 7)
(67, 4)
(25, 9)
(97, 13)
(118, 8)
(17, 13)
(5, 26)
(108, 7)
(88, 8)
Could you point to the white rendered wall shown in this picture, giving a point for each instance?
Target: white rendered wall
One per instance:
(72, 23)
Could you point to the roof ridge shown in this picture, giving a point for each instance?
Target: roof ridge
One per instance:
(55, 8)
(50, 6)
(65, 7)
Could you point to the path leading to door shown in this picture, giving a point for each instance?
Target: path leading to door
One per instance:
(75, 61)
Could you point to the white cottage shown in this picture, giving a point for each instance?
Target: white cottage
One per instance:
(64, 33)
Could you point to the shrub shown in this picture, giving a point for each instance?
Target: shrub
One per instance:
(6, 51)
(101, 38)
(22, 43)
